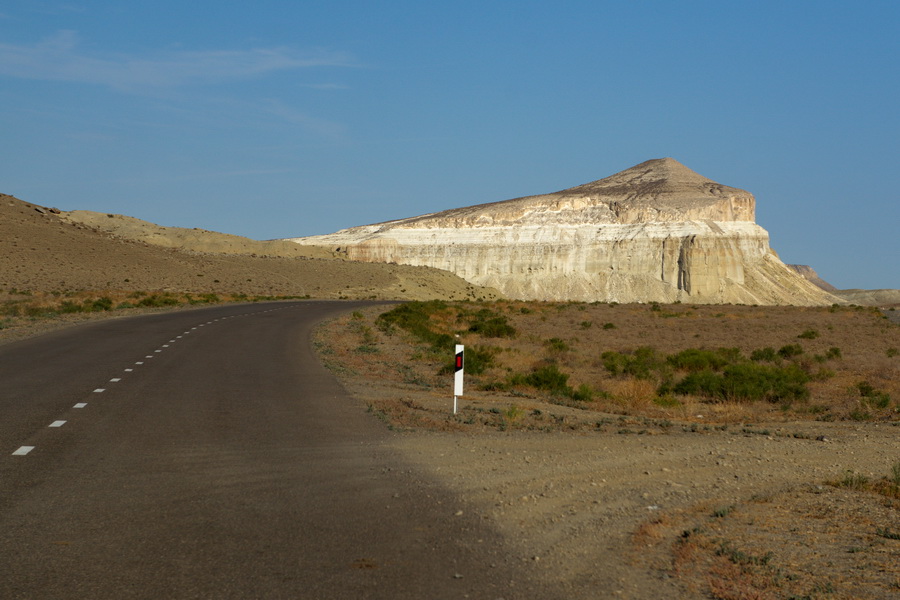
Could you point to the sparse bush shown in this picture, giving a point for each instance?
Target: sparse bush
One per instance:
(493, 327)
(155, 300)
(609, 326)
(478, 360)
(557, 344)
(643, 363)
(101, 304)
(666, 401)
(766, 354)
(809, 334)
(69, 307)
(833, 353)
(698, 360)
(892, 352)
(747, 381)
(790, 350)
(547, 377)
(513, 413)
(873, 397)
(415, 317)
(584, 393)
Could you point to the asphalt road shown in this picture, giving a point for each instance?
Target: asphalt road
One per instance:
(208, 454)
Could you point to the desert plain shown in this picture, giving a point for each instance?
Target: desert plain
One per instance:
(579, 440)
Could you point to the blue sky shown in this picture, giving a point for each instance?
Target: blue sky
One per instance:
(281, 119)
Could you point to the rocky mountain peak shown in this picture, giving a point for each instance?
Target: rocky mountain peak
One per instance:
(655, 176)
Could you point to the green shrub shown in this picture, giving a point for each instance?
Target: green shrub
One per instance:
(809, 334)
(415, 318)
(549, 378)
(833, 353)
(584, 393)
(157, 300)
(865, 389)
(493, 327)
(698, 360)
(701, 383)
(666, 401)
(478, 359)
(609, 326)
(546, 377)
(790, 350)
(101, 304)
(557, 344)
(747, 381)
(643, 363)
(69, 307)
(766, 354)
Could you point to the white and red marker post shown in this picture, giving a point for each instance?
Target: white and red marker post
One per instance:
(458, 374)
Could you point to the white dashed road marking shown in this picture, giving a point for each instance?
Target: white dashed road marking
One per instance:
(23, 450)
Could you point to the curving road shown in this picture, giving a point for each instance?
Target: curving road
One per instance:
(207, 454)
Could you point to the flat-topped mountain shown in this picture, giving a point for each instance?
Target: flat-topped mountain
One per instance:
(657, 232)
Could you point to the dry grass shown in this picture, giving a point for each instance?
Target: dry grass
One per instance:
(810, 542)
(850, 346)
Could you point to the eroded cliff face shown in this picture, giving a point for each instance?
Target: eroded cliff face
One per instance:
(657, 232)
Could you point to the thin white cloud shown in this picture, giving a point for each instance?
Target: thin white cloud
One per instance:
(322, 127)
(59, 58)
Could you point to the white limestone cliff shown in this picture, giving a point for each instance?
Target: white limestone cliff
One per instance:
(657, 232)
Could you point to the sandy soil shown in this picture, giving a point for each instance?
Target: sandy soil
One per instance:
(625, 505)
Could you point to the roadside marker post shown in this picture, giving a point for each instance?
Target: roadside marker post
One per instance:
(458, 374)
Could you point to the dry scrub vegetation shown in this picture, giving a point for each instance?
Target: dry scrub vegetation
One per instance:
(727, 452)
(645, 364)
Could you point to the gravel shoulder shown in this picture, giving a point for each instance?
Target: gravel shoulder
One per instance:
(577, 506)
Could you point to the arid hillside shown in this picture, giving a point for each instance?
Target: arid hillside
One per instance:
(44, 250)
